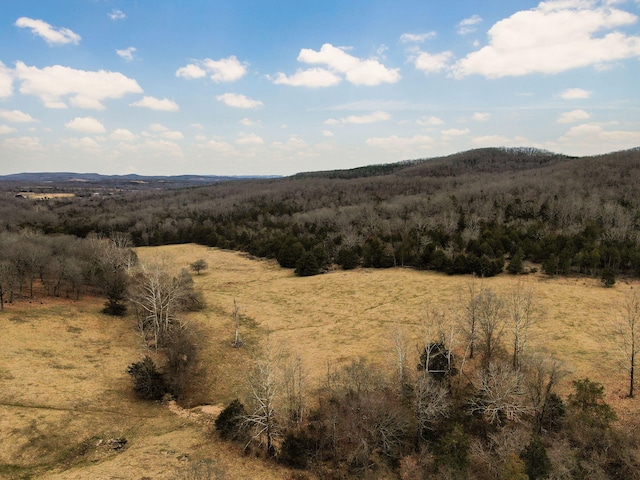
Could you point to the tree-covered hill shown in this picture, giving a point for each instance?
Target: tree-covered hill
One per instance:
(481, 211)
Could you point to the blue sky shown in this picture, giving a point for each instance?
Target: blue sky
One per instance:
(169, 87)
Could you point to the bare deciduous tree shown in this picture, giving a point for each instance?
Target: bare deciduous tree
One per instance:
(523, 314)
(294, 381)
(432, 401)
(263, 420)
(541, 376)
(156, 296)
(500, 394)
(490, 324)
(470, 305)
(628, 333)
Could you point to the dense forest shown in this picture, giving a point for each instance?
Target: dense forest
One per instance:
(482, 211)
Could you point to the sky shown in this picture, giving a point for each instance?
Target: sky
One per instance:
(257, 87)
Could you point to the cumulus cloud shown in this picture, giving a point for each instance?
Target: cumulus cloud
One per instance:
(337, 61)
(575, 94)
(468, 25)
(220, 146)
(6, 130)
(590, 139)
(554, 37)
(573, 116)
(84, 143)
(153, 103)
(124, 135)
(6, 82)
(249, 139)
(396, 143)
(16, 116)
(480, 116)
(127, 53)
(429, 121)
(312, 78)
(227, 69)
(499, 141)
(173, 135)
(293, 143)
(85, 89)
(416, 37)
(191, 71)
(327, 133)
(378, 116)
(432, 63)
(22, 143)
(116, 14)
(455, 132)
(238, 101)
(51, 35)
(85, 125)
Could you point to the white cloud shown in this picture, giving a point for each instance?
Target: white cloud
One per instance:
(378, 116)
(51, 35)
(116, 14)
(16, 116)
(396, 143)
(249, 139)
(164, 105)
(158, 127)
(85, 125)
(573, 116)
(221, 147)
(6, 82)
(357, 71)
(123, 134)
(227, 69)
(416, 37)
(327, 133)
(429, 121)
(553, 37)
(293, 143)
(191, 71)
(468, 25)
(84, 143)
(247, 122)
(575, 94)
(173, 135)
(6, 130)
(432, 63)
(127, 53)
(86, 89)
(591, 139)
(312, 78)
(480, 116)
(499, 141)
(23, 143)
(163, 147)
(238, 101)
(455, 132)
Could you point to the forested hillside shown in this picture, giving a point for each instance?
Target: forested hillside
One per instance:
(483, 211)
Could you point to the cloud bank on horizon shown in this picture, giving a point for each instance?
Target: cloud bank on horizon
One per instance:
(169, 88)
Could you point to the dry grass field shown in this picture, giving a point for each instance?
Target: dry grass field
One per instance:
(64, 391)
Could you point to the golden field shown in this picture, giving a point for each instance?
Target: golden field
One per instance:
(64, 391)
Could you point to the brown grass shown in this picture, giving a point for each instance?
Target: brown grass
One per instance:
(64, 391)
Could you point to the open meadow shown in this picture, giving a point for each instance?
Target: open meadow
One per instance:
(65, 394)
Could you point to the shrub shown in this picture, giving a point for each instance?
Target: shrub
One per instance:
(148, 382)
(229, 422)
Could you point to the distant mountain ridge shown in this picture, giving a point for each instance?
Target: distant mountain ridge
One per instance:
(132, 177)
